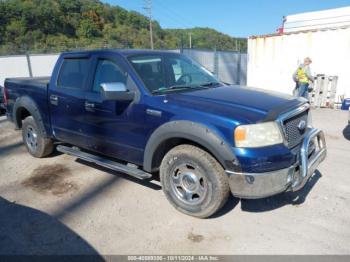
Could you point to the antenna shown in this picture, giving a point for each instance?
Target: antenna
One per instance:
(148, 8)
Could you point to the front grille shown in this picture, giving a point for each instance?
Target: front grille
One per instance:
(291, 130)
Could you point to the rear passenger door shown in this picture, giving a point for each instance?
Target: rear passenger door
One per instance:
(67, 100)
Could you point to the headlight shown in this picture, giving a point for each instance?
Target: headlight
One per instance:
(258, 135)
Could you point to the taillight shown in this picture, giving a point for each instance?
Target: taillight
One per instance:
(5, 96)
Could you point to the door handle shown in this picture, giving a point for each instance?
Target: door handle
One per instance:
(54, 100)
(89, 106)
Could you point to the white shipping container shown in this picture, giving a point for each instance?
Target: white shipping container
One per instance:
(331, 18)
(272, 59)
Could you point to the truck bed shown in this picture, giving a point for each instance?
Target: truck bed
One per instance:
(34, 88)
(40, 82)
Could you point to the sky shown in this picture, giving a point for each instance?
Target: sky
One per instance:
(239, 18)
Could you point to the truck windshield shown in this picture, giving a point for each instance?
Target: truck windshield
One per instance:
(172, 73)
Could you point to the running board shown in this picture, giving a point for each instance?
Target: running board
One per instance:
(98, 160)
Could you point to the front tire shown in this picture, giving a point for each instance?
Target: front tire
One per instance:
(35, 141)
(193, 181)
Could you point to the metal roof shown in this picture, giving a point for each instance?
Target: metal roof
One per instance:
(298, 32)
(331, 19)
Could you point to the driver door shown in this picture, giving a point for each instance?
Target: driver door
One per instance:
(110, 125)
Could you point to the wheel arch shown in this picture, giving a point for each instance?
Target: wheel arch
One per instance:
(175, 133)
(24, 107)
(20, 114)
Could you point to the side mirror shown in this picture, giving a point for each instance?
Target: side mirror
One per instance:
(116, 91)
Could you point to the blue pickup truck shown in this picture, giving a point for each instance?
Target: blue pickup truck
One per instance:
(2, 105)
(155, 112)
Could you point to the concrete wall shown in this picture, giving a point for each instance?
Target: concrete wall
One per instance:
(273, 59)
(13, 66)
(17, 66)
(42, 65)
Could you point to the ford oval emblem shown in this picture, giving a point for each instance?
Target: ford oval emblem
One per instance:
(302, 125)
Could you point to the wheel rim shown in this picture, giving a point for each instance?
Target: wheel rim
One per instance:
(189, 184)
(31, 138)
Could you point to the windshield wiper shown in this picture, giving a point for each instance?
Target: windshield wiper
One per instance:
(173, 88)
(180, 87)
(210, 84)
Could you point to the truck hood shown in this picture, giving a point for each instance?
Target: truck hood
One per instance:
(243, 104)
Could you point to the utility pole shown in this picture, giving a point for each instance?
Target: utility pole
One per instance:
(148, 8)
(190, 36)
(182, 43)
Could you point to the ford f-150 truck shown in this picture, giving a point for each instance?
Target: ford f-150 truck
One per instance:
(149, 112)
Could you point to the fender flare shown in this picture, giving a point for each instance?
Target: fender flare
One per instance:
(30, 105)
(195, 132)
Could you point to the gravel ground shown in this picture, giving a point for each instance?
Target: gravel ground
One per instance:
(61, 205)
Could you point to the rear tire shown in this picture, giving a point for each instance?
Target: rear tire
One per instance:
(37, 144)
(193, 181)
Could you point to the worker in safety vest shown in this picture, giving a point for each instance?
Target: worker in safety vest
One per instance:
(303, 78)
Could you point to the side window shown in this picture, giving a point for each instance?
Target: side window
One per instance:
(73, 72)
(151, 71)
(108, 72)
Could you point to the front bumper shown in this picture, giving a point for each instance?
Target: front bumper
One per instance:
(258, 185)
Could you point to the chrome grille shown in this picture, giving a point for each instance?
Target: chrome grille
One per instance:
(291, 130)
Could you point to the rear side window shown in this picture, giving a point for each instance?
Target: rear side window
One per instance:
(73, 73)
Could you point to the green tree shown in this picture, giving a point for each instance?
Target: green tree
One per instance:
(88, 28)
(56, 25)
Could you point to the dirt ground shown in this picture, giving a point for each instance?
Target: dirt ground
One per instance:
(61, 205)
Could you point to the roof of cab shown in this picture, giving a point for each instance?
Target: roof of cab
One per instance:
(125, 52)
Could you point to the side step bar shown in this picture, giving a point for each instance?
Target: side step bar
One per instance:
(98, 160)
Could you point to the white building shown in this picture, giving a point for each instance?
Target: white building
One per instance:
(324, 36)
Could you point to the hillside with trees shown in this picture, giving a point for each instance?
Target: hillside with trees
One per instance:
(58, 25)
